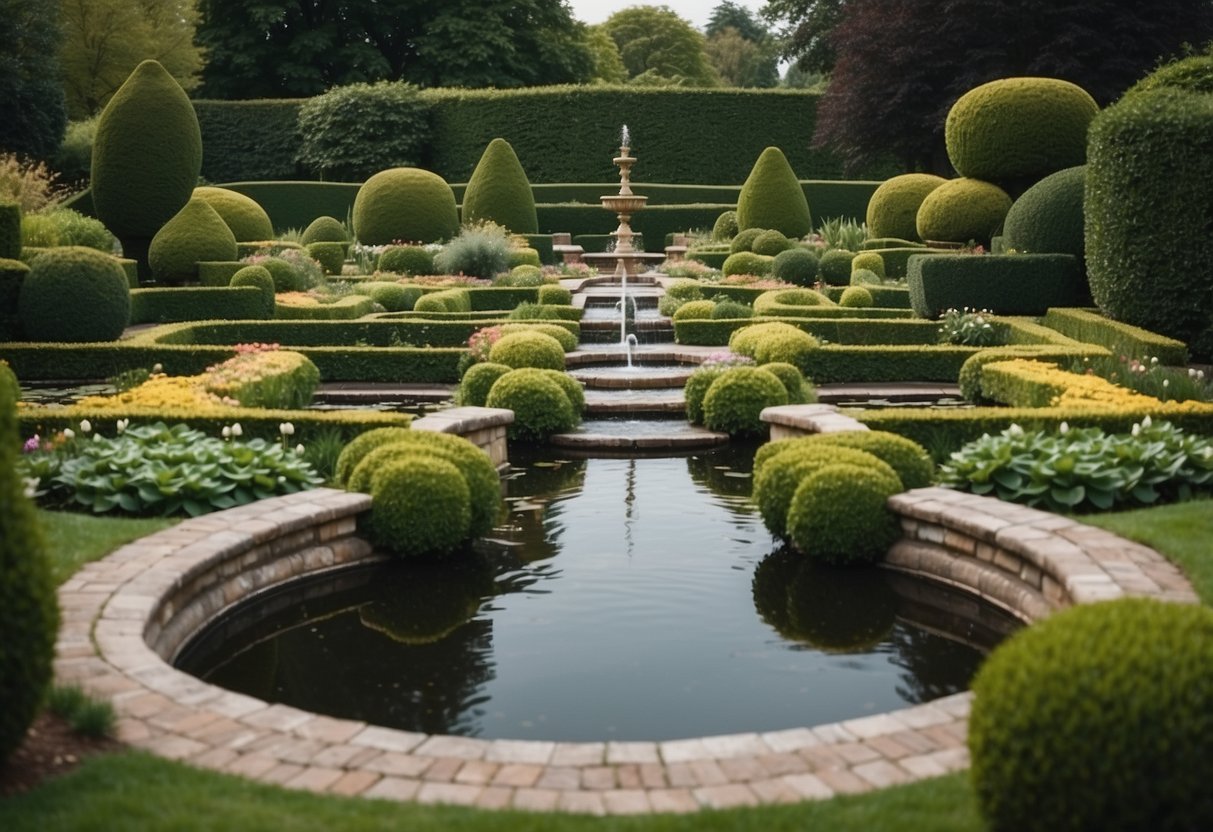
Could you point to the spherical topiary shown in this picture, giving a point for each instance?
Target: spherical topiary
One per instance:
(478, 381)
(330, 256)
(29, 616)
(856, 297)
(242, 214)
(10, 231)
(1191, 74)
(554, 295)
(528, 349)
(747, 262)
(799, 390)
(695, 310)
(324, 229)
(773, 341)
(571, 387)
(360, 446)
(870, 260)
(525, 256)
(1047, 218)
(744, 240)
(839, 514)
(566, 339)
(500, 192)
(776, 480)
(1098, 717)
(770, 243)
(772, 197)
(541, 406)
(961, 210)
(525, 276)
(259, 278)
(406, 260)
(286, 277)
(1018, 129)
(864, 277)
(419, 506)
(910, 460)
(734, 400)
(74, 294)
(836, 266)
(725, 227)
(146, 157)
(796, 265)
(893, 207)
(405, 205)
(695, 388)
(729, 309)
(195, 233)
(393, 297)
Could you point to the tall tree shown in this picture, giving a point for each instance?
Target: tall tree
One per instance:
(608, 66)
(104, 40)
(903, 63)
(729, 15)
(741, 62)
(655, 42)
(805, 33)
(266, 48)
(32, 112)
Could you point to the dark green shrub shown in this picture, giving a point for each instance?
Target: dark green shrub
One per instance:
(540, 404)
(405, 205)
(393, 297)
(358, 447)
(771, 243)
(893, 208)
(99, 294)
(730, 309)
(747, 262)
(961, 210)
(291, 274)
(260, 278)
(799, 390)
(725, 227)
(500, 192)
(1018, 129)
(835, 266)
(10, 230)
(247, 220)
(1047, 218)
(478, 251)
(12, 275)
(554, 294)
(411, 260)
(856, 297)
(528, 349)
(796, 265)
(330, 256)
(839, 514)
(735, 399)
(478, 381)
(324, 229)
(1005, 284)
(1075, 716)
(786, 464)
(352, 131)
(29, 616)
(420, 505)
(772, 197)
(744, 239)
(74, 157)
(195, 233)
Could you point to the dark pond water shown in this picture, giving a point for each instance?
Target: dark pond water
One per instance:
(623, 599)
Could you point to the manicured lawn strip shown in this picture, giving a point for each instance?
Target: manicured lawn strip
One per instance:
(76, 539)
(137, 791)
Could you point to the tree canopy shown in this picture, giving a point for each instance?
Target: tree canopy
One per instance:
(805, 33)
(658, 46)
(32, 113)
(740, 48)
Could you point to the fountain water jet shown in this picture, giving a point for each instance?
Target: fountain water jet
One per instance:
(624, 204)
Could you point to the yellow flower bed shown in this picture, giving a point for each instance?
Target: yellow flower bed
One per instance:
(162, 392)
(1022, 382)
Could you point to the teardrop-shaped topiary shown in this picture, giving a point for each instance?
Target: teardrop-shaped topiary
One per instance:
(405, 205)
(772, 197)
(500, 192)
(894, 205)
(324, 229)
(146, 158)
(197, 232)
(243, 214)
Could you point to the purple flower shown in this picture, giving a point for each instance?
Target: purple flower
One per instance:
(32, 444)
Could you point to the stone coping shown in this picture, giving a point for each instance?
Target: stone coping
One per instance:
(123, 615)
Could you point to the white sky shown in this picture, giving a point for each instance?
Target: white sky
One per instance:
(696, 11)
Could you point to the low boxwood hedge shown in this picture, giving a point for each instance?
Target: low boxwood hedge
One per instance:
(1006, 284)
(1120, 338)
(195, 303)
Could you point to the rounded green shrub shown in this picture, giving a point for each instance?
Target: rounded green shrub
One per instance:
(1191, 74)
(29, 615)
(528, 349)
(694, 390)
(870, 260)
(836, 266)
(259, 278)
(242, 214)
(771, 243)
(566, 339)
(893, 207)
(788, 302)
(685, 290)
(799, 390)
(772, 197)
(286, 277)
(725, 227)
(541, 406)
(323, 229)
(864, 277)
(910, 460)
(856, 297)
(476, 383)
(1018, 129)
(747, 262)
(407, 205)
(1098, 717)
(552, 294)
(734, 400)
(525, 276)
(698, 310)
(419, 506)
(74, 294)
(839, 514)
(796, 265)
(10, 231)
(1047, 218)
(360, 446)
(572, 389)
(729, 309)
(525, 256)
(393, 297)
(782, 472)
(961, 210)
(330, 256)
(410, 260)
(773, 341)
(744, 240)
(195, 233)
(500, 192)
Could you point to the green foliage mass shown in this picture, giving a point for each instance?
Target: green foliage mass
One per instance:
(247, 220)
(476, 383)
(499, 191)
(894, 205)
(412, 260)
(554, 294)
(961, 210)
(30, 85)
(12, 276)
(799, 390)
(735, 399)
(1109, 693)
(10, 230)
(796, 265)
(786, 465)
(836, 266)
(330, 256)
(481, 250)
(839, 514)
(402, 205)
(98, 290)
(361, 445)
(772, 197)
(788, 302)
(870, 260)
(353, 131)
(654, 40)
(744, 239)
(773, 341)
(260, 278)
(420, 505)
(324, 229)
(528, 349)
(540, 404)
(725, 227)
(856, 297)
(393, 297)
(1047, 217)
(771, 243)
(196, 232)
(747, 262)
(1193, 74)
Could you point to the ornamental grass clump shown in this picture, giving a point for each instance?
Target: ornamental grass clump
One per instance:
(480, 250)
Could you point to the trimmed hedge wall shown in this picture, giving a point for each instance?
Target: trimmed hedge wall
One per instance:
(376, 332)
(1120, 338)
(296, 204)
(249, 139)
(195, 303)
(884, 297)
(1018, 284)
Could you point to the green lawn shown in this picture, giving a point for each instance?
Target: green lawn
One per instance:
(75, 539)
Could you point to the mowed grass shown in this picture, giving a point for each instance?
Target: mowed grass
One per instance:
(76, 539)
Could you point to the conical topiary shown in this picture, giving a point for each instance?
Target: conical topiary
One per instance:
(29, 617)
(146, 158)
(772, 197)
(500, 192)
(243, 214)
(196, 232)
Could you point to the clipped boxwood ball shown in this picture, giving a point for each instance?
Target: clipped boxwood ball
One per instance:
(74, 294)
(393, 297)
(799, 390)
(242, 214)
(893, 207)
(330, 256)
(1098, 717)
(725, 227)
(552, 294)
(910, 460)
(747, 262)
(541, 406)
(286, 277)
(695, 388)
(405, 205)
(323, 229)
(406, 260)
(525, 276)
(1047, 218)
(566, 339)
(697, 310)
(870, 260)
(961, 210)
(744, 240)
(259, 278)
(360, 446)
(839, 514)
(770, 243)
(1018, 129)
(419, 506)
(734, 400)
(856, 297)
(836, 266)
(782, 472)
(572, 389)
(195, 233)
(796, 265)
(478, 381)
(525, 256)
(528, 349)
(863, 277)
(772, 197)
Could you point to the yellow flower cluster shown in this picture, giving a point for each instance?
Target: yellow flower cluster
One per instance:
(160, 393)
(1077, 389)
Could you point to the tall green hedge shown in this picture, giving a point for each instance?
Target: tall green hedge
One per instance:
(250, 139)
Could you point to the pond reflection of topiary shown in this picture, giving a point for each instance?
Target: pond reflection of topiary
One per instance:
(1098, 718)
(830, 609)
(426, 601)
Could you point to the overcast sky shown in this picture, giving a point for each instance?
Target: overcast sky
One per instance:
(696, 11)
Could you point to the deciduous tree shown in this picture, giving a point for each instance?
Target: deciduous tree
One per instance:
(32, 113)
(655, 42)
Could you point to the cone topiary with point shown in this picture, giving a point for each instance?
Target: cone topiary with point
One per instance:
(195, 233)
(500, 192)
(772, 198)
